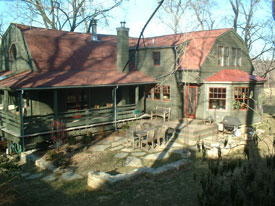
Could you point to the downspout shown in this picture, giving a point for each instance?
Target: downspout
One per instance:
(21, 119)
(115, 107)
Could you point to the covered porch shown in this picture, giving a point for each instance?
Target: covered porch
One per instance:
(28, 116)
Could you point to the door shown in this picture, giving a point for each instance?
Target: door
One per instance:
(191, 101)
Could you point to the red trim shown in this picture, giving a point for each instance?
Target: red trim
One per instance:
(165, 91)
(246, 91)
(217, 91)
(157, 87)
(186, 102)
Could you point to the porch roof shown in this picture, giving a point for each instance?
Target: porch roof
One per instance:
(74, 78)
(234, 75)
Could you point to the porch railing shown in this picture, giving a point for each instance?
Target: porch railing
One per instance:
(10, 121)
(42, 123)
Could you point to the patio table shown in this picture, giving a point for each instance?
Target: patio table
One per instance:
(143, 133)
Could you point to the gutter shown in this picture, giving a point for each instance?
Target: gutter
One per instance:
(84, 86)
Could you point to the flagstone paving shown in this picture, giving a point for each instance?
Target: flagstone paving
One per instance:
(134, 157)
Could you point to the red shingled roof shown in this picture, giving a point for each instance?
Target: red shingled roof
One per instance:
(71, 78)
(199, 44)
(234, 75)
(71, 59)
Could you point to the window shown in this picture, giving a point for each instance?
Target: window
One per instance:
(217, 98)
(157, 92)
(239, 57)
(148, 93)
(166, 93)
(226, 56)
(236, 57)
(220, 55)
(12, 52)
(241, 98)
(156, 58)
(76, 100)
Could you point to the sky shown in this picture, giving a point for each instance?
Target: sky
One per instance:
(136, 13)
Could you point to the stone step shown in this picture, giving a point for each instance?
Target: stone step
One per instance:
(195, 130)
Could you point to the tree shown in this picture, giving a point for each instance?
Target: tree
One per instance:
(66, 14)
(254, 30)
(178, 13)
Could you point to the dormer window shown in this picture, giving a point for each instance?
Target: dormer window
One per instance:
(236, 57)
(156, 58)
(13, 52)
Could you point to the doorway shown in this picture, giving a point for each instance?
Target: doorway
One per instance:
(191, 101)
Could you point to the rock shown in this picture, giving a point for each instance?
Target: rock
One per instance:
(157, 156)
(34, 176)
(138, 154)
(121, 155)
(28, 156)
(175, 144)
(51, 177)
(98, 180)
(183, 152)
(43, 164)
(128, 150)
(107, 142)
(117, 138)
(25, 174)
(70, 175)
(100, 148)
(116, 148)
(133, 162)
(115, 144)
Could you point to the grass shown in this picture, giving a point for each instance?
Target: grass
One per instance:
(171, 188)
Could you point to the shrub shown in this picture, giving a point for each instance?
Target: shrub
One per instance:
(52, 155)
(71, 140)
(58, 134)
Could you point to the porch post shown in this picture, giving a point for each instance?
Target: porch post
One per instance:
(183, 100)
(6, 99)
(137, 95)
(21, 119)
(115, 106)
(55, 104)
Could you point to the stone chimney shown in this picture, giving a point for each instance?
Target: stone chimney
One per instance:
(122, 48)
(94, 30)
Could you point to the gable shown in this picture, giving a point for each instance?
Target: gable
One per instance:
(20, 58)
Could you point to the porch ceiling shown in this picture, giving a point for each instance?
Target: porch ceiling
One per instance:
(73, 78)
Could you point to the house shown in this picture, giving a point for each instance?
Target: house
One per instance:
(86, 80)
(68, 77)
(204, 74)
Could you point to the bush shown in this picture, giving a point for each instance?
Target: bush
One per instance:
(52, 155)
(238, 182)
(9, 167)
(71, 140)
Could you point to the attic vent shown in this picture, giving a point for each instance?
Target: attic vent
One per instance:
(13, 52)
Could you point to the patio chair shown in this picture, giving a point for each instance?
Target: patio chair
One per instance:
(135, 140)
(162, 135)
(146, 125)
(149, 138)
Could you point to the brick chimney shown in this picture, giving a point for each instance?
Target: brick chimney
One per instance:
(122, 48)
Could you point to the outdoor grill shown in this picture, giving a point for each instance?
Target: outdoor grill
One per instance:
(230, 123)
